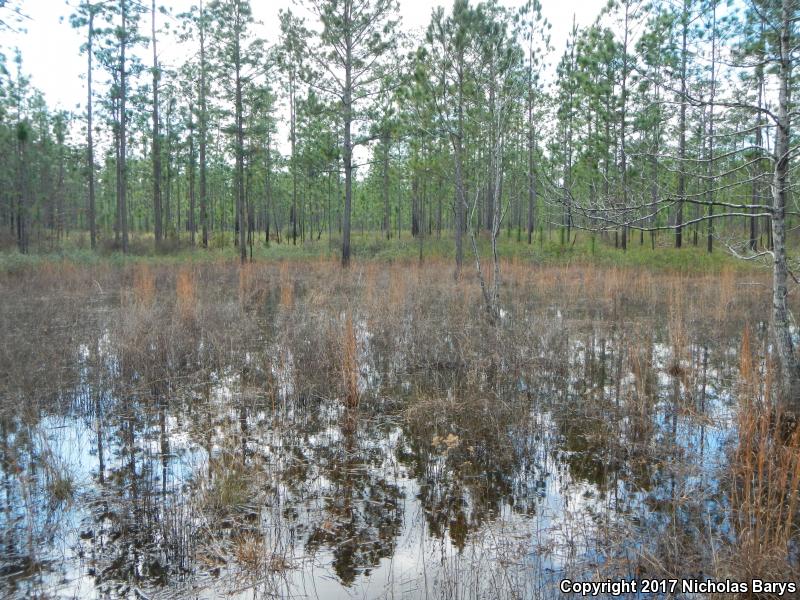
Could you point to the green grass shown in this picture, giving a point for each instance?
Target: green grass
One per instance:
(546, 249)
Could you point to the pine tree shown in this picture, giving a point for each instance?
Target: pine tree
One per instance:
(356, 37)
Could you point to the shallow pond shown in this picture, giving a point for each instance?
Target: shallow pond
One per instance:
(204, 443)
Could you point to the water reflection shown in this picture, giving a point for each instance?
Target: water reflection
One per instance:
(228, 469)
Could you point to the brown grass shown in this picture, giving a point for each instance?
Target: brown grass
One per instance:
(639, 400)
(185, 292)
(144, 285)
(249, 550)
(246, 277)
(747, 369)
(677, 329)
(398, 290)
(456, 384)
(370, 275)
(287, 287)
(350, 363)
(765, 473)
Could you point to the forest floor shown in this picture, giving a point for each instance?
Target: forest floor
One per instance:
(545, 249)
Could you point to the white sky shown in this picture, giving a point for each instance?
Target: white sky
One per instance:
(51, 48)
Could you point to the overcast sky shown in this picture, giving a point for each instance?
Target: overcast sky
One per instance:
(50, 47)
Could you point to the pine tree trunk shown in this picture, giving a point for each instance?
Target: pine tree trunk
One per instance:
(157, 212)
(348, 153)
(386, 218)
(710, 163)
(203, 132)
(240, 202)
(191, 220)
(89, 133)
(682, 131)
(123, 133)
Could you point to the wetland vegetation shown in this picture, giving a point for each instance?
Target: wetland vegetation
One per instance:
(340, 299)
(295, 429)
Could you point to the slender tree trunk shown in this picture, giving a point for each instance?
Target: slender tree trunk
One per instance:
(568, 137)
(60, 217)
(249, 204)
(330, 222)
(623, 117)
(753, 241)
(654, 166)
(293, 138)
(89, 133)
(240, 201)
(191, 220)
(460, 199)
(23, 202)
(755, 193)
(710, 164)
(203, 131)
(492, 170)
(167, 204)
(682, 130)
(123, 133)
(268, 187)
(415, 201)
(607, 158)
(386, 217)
(531, 174)
(348, 151)
(157, 212)
(118, 165)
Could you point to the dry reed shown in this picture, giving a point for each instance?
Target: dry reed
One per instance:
(350, 363)
(765, 479)
(287, 288)
(144, 286)
(246, 278)
(185, 292)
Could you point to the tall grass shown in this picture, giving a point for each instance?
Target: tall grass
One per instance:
(765, 473)
(350, 363)
(186, 295)
(287, 287)
(144, 285)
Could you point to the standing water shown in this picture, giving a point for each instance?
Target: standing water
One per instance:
(281, 432)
